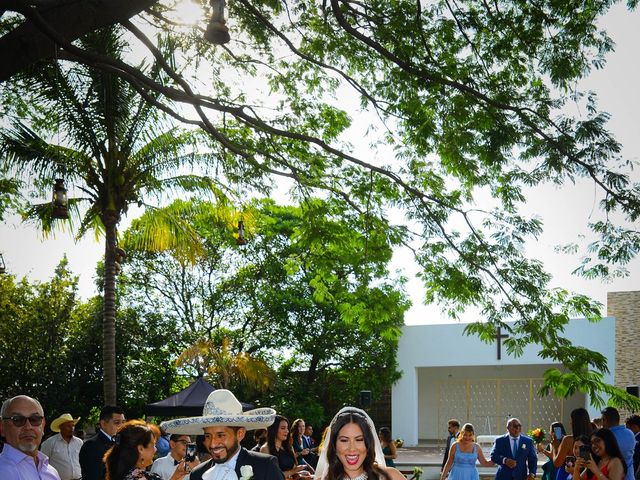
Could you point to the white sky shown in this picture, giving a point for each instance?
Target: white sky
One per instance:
(565, 211)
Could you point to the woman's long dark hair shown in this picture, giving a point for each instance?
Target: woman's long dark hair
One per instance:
(296, 438)
(124, 454)
(580, 422)
(385, 435)
(272, 432)
(335, 467)
(610, 446)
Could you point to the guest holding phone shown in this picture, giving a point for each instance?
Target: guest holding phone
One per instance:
(570, 464)
(580, 425)
(178, 444)
(557, 433)
(604, 460)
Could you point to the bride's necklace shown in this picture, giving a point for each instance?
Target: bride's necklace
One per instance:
(362, 476)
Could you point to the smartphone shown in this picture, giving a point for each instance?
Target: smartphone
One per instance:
(585, 452)
(557, 432)
(191, 453)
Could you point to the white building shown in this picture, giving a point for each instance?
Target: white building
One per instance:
(446, 374)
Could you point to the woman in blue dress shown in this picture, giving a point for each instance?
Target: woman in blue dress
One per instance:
(463, 455)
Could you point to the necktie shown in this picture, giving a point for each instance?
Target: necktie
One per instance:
(515, 448)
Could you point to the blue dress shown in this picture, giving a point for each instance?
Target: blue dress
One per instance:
(464, 465)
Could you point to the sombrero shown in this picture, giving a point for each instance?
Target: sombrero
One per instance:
(221, 409)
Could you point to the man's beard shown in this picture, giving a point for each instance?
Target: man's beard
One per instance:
(234, 449)
(27, 447)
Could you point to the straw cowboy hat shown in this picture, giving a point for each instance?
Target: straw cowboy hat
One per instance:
(221, 409)
(64, 418)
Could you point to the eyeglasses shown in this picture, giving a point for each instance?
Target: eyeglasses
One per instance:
(20, 420)
(184, 442)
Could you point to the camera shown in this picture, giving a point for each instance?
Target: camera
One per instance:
(191, 453)
(585, 452)
(570, 461)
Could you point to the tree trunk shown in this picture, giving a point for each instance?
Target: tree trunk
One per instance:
(109, 314)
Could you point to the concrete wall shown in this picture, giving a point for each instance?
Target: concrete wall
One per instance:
(428, 346)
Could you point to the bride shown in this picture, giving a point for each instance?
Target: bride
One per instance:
(352, 451)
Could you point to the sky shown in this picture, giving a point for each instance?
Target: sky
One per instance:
(565, 210)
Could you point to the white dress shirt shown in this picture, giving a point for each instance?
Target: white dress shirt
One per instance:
(223, 471)
(165, 466)
(65, 457)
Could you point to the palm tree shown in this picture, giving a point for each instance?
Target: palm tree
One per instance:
(225, 368)
(117, 151)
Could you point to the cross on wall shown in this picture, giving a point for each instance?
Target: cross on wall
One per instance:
(499, 337)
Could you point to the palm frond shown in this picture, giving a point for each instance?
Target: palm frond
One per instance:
(41, 214)
(30, 155)
(201, 186)
(167, 229)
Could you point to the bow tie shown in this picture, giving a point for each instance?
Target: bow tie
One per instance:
(175, 462)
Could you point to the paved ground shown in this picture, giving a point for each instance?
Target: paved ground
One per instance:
(429, 458)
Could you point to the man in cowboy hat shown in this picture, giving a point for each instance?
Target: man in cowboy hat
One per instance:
(63, 449)
(224, 425)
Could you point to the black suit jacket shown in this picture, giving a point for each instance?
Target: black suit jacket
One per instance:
(91, 454)
(265, 467)
(450, 440)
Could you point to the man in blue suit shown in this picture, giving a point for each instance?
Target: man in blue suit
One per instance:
(514, 454)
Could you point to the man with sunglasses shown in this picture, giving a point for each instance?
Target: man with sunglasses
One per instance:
(514, 454)
(22, 427)
(166, 466)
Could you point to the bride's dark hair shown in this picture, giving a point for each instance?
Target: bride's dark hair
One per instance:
(335, 467)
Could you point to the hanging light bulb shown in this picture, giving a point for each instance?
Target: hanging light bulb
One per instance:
(241, 240)
(60, 201)
(3, 267)
(217, 31)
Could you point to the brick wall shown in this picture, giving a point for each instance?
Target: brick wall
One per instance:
(625, 307)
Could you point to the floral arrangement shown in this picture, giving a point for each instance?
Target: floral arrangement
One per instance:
(399, 442)
(537, 435)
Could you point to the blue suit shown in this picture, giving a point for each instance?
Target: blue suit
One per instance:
(526, 457)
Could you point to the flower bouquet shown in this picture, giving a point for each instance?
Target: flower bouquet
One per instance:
(537, 435)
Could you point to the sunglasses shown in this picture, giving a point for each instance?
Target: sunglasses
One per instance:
(20, 420)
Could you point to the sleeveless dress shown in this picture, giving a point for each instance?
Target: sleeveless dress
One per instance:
(389, 461)
(285, 460)
(464, 465)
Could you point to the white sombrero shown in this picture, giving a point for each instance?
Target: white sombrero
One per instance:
(221, 409)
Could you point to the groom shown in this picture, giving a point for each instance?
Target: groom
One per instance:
(224, 426)
(514, 454)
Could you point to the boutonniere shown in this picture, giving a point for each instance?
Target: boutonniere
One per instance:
(246, 472)
(524, 446)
